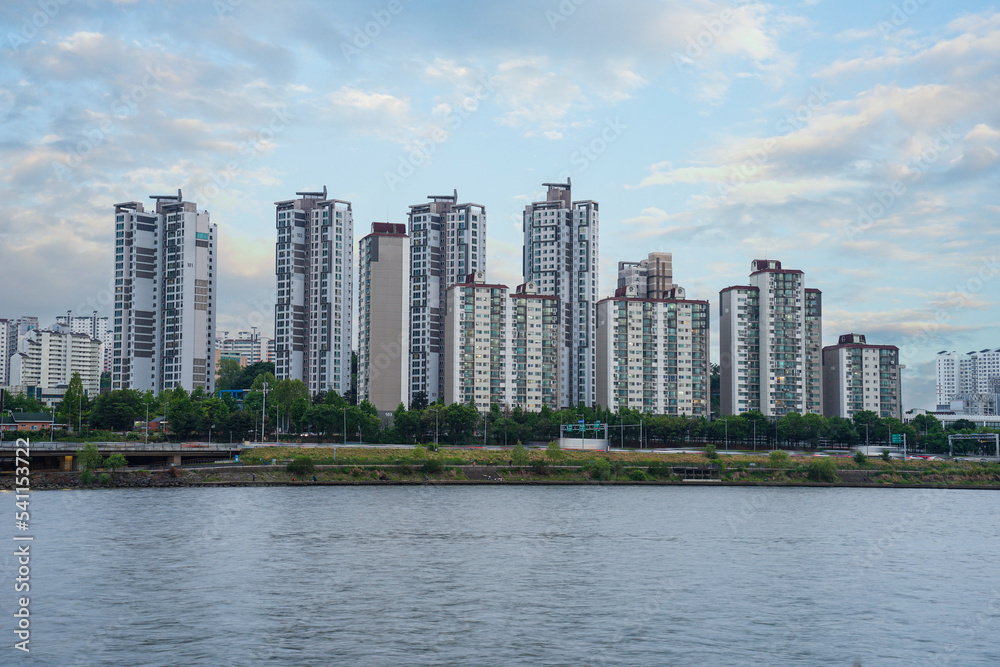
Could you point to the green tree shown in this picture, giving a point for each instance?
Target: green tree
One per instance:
(822, 469)
(182, 415)
(406, 422)
(419, 401)
(230, 375)
(553, 451)
(118, 410)
(519, 455)
(73, 405)
(115, 462)
(89, 457)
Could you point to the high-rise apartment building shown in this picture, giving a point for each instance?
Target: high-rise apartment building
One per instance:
(478, 343)
(93, 326)
(248, 345)
(10, 334)
(652, 354)
(652, 277)
(384, 316)
(770, 343)
(47, 359)
(561, 258)
(448, 242)
(969, 382)
(534, 374)
(313, 314)
(164, 317)
(858, 376)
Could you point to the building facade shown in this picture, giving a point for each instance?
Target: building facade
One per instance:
(384, 316)
(447, 243)
(652, 277)
(771, 343)
(93, 326)
(47, 359)
(969, 382)
(533, 376)
(165, 296)
(561, 258)
(478, 343)
(313, 313)
(652, 354)
(249, 347)
(858, 376)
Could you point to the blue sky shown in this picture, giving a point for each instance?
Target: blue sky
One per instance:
(857, 141)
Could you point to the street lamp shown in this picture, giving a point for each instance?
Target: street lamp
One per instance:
(726, 422)
(147, 424)
(263, 409)
(210, 433)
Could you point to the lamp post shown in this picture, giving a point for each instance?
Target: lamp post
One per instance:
(726, 422)
(146, 442)
(486, 425)
(755, 435)
(211, 426)
(263, 409)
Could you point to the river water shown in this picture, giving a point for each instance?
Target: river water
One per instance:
(581, 575)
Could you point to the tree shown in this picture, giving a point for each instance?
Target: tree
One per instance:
(519, 455)
(22, 403)
(118, 410)
(963, 425)
(419, 401)
(182, 414)
(230, 374)
(406, 422)
(115, 462)
(89, 457)
(73, 404)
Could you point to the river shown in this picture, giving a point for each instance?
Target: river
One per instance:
(495, 575)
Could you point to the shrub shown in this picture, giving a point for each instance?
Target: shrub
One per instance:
(419, 452)
(710, 452)
(90, 458)
(554, 451)
(86, 478)
(779, 459)
(519, 455)
(885, 455)
(115, 462)
(598, 469)
(660, 469)
(301, 465)
(539, 467)
(433, 466)
(860, 457)
(823, 470)
(104, 479)
(638, 475)
(432, 446)
(617, 469)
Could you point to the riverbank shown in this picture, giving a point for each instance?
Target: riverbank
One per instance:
(674, 470)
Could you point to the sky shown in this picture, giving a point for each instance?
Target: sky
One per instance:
(855, 141)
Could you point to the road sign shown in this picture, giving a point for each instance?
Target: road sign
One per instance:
(897, 438)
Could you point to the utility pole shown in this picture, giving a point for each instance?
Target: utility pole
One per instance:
(263, 409)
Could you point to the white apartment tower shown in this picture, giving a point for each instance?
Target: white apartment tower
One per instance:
(48, 359)
(93, 326)
(384, 316)
(313, 313)
(561, 258)
(970, 382)
(448, 242)
(478, 343)
(652, 277)
(770, 343)
(652, 354)
(164, 317)
(858, 376)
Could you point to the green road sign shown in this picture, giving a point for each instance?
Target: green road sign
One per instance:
(897, 438)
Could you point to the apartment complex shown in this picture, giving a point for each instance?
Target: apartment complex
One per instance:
(247, 347)
(164, 317)
(384, 316)
(313, 313)
(478, 343)
(561, 259)
(652, 277)
(969, 382)
(448, 242)
(534, 374)
(652, 353)
(858, 376)
(770, 343)
(48, 359)
(93, 326)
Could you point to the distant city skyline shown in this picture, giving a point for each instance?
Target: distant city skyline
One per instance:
(857, 143)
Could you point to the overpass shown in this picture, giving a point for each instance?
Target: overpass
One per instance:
(47, 455)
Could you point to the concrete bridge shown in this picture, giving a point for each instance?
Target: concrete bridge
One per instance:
(63, 455)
